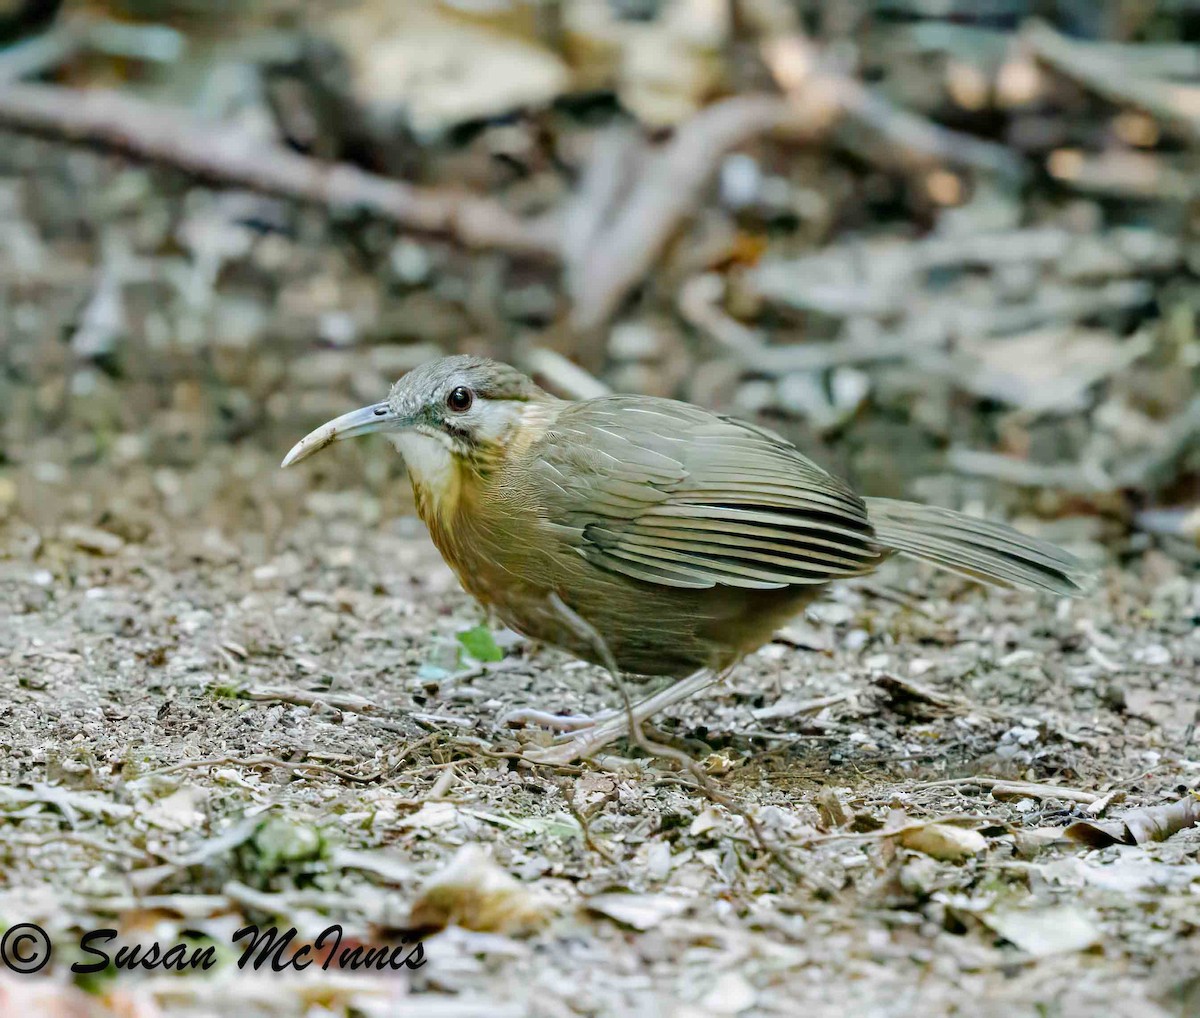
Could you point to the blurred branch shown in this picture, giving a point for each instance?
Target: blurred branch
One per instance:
(563, 376)
(667, 192)
(891, 136)
(698, 306)
(72, 35)
(1111, 78)
(1075, 477)
(607, 177)
(40, 53)
(604, 264)
(885, 279)
(1121, 173)
(1179, 436)
(218, 153)
(1153, 59)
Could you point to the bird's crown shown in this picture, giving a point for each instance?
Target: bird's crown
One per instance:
(481, 376)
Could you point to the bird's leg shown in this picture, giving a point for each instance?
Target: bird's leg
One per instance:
(562, 722)
(587, 742)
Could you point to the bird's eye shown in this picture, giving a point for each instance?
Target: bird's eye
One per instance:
(460, 399)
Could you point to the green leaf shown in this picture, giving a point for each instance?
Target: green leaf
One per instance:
(478, 643)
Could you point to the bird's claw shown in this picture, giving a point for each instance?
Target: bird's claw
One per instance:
(581, 744)
(544, 719)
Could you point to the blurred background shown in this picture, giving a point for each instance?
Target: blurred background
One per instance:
(949, 248)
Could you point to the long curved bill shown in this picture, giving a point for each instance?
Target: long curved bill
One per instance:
(377, 417)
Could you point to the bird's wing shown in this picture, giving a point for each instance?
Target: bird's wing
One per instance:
(671, 494)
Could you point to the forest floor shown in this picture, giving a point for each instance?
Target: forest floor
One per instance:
(233, 698)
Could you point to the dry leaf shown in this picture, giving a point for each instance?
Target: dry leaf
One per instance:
(1051, 368)
(916, 700)
(641, 911)
(384, 863)
(431, 815)
(833, 813)
(93, 539)
(731, 994)
(1029, 842)
(436, 71)
(476, 894)
(1134, 875)
(706, 820)
(944, 841)
(1139, 827)
(179, 811)
(1044, 931)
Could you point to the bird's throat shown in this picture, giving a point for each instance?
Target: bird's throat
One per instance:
(435, 470)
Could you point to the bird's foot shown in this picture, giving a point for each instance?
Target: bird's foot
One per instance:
(544, 719)
(586, 742)
(581, 744)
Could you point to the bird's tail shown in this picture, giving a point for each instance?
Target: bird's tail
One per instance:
(979, 549)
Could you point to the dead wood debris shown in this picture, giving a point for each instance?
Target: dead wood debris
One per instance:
(1002, 788)
(860, 278)
(472, 891)
(1109, 74)
(272, 762)
(303, 698)
(886, 133)
(944, 841)
(917, 698)
(225, 155)
(1140, 826)
(616, 256)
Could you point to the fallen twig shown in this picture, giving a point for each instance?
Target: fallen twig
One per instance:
(1081, 478)
(1177, 438)
(67, 801)
(567, 792)
(607, 177)
(544, 719)
(1033, 790)
(1117, 173)
(269, 761)
(1001, 788)
(618, 257)
(905, 693)
(40, 53)
(871, 124)
(302, 698)
(226, 155)
(878, 278)
(1173, 104)
(796, 708)
(563, 376)
(698, 305)
(895, 832)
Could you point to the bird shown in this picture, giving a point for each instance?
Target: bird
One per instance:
(649, 535)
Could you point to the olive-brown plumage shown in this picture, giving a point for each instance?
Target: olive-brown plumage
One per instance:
(683, 538)
(646, 534)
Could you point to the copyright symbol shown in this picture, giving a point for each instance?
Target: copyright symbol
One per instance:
(25, 948)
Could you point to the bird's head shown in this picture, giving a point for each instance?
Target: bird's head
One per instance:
(441, 415)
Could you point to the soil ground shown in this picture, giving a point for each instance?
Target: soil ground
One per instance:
(236, 694)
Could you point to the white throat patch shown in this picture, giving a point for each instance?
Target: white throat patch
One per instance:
(428, 458)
